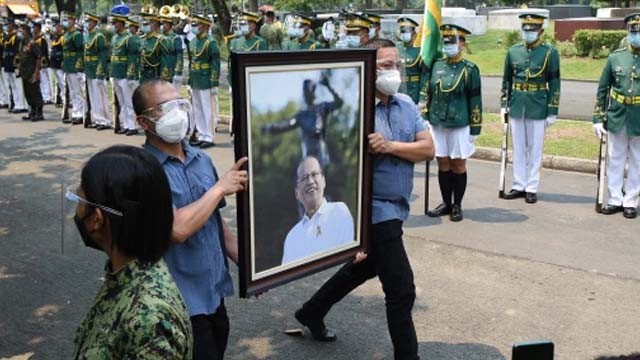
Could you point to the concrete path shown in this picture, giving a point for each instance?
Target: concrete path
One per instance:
(509, 272)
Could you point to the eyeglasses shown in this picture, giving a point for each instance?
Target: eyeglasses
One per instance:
(389, 65)
(72, 196)
(167, 106)
(312, 175)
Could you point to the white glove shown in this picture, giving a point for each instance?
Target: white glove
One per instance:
(472, 138)
(503, 111)
(214, 90)
(599, 130)
(550, 120)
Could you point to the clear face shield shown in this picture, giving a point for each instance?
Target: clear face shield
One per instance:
(289, 23)
(405, 33)
(531, 32)
(451, 43)
(634, 35)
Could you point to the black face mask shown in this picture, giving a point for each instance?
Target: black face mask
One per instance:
(86, 239)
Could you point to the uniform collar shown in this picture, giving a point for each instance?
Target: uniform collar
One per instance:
(321, 210)
(305, 38)
(634, 51)
(456, 59)
(535, 44)
(189, 152)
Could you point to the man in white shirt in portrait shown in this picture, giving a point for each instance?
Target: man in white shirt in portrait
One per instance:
(324, 225)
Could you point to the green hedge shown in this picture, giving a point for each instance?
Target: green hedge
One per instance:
(597, 43)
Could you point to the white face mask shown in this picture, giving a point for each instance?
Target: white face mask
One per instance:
(172, 127)
(530, 36)
(372, 33)
(353, 41)
(244, 29)
(451, 50)
(388, 81)
(405, 37)
(65, 24)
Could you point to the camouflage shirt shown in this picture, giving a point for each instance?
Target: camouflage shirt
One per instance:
(138, 314)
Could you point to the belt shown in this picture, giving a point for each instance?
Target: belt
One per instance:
(200, 66)
(529, 87)
(627, 100)
(69, 53)
(90, 58)
(411, 78)
(116, 58)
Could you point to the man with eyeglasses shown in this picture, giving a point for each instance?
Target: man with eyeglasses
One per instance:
(617, 117)
(202, 240)
(324, 225)
(400, 140)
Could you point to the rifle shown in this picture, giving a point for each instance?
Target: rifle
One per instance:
(116, 109)
(601, 172)
(87, 114)
(426, 187)
(504, 154)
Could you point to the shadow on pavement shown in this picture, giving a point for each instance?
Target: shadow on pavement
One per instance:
(566, 198)
(494, 215)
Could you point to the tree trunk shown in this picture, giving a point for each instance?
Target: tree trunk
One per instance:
(224, 17)
(252, 5)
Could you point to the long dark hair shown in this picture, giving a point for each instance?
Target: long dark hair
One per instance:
(131, 180)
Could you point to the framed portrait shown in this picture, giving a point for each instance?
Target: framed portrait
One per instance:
(302, 118)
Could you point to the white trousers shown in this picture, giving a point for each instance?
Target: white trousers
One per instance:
(123, 93)
(15, 85)
(59, 75)
(528, 141)
(100, 105)
(77, 100)
(45, 85)
(623, 148)
(204, 111)
(133, 85)
(4, 90)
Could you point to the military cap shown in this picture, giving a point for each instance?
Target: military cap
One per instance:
(149, 17)
(201, 19)
(69, 15)
(91, 17)
(133, 21)
(633, 22)
(301, 19)
(165, 19)
(357, 22)
(453, 30)
(531, 21)
(249, 16)
(374, 19)
(405, 21)
(117, 17)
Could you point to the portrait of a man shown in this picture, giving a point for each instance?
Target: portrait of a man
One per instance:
(324, 225)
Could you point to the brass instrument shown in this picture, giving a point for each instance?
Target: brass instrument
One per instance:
(166, 10)
(149, 9)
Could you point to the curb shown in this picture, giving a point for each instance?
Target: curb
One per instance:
(548, 161)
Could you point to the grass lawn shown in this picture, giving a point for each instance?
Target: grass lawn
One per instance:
(489, 54)
(564, 138)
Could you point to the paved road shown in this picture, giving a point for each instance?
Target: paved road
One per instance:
(509, 272)
(576, 100)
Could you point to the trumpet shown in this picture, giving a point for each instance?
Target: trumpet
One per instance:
(180, 11)
(166, 10)
(149, 9)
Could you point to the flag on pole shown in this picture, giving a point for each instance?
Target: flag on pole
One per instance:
(429, 38)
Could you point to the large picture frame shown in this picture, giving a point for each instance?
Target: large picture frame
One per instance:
(302, 118)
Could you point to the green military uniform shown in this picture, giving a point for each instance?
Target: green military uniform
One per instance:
(120, 54)
(290, 44)
(96, 55)
(531, 93)
(204, 70)
(139, 313)
(453, 96)
(618, 97)
(617, 110)
(169, 53)
(416, 72)
(134, 48)
(73, 51)
(252, 43)
(150, 57)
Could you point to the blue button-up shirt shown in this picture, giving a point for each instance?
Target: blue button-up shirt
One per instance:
(399, 120)
(199, 264)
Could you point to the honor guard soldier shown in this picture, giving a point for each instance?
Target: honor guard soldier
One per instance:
(55, 60)
(357, 28)
(4, 90)
(73, 66)
(204, 72)
(30, 60)
(171, 44)
(375, 26)
(133, 54)
(531, 95)
(96, 54)
(119, 82)
(42, 43)
(151, 52)
(248, 41)
(416, 71)
(618, 111)
(12, 45)
(272, 31)
(305, 36)
(454, 112)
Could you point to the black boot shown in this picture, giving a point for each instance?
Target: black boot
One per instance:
(445, 183)
(30, 116)
(459, 188)
(38, 116)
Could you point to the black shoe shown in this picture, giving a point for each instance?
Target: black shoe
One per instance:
(122, 131)
(103, 127)
(48, 102)
(629, 213)
(66, 121)
(4, 106)
(514, 194)
(206, 144)
(19, 111)
(531, 198)
(28, 117)
(456, 213)
(195, 142)
(318, 330)
(76, 121)
(442, 209)
(132, 132)
(611, 209)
